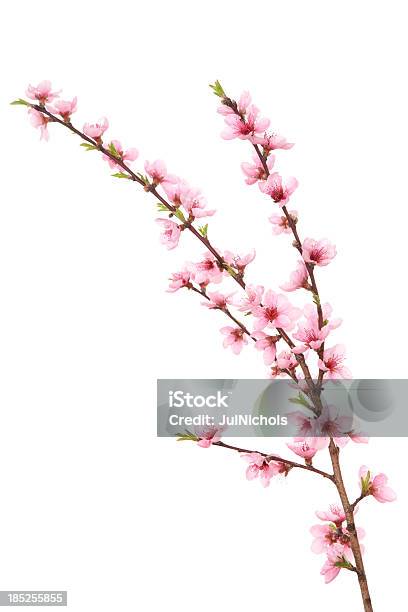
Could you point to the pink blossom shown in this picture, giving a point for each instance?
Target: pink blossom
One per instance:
(335, 554)
(256, 172)
(242, 105)
(311, 315)
(335, 514)
(281, 224)
(234, 338)
(358, 437)
(376, 486)
(325, 536)
(267, 344)
(158, 172)
(207, 270)
(38, 120)
(129, 155)
(218, 301)
(170, 233)
(259, 467)
(252, 299)
(299, 279)
(174, 191)
(271, 142)
(246, 127)
(280, 192)
(208, 436)
(96, 130)
(276, 311)
(42, 92)
(333, 425)
(286, 360)
(194, 203)
(305, 424)
(179, 280)
(304, 448)
(65, 108)
(332, 363)
(319, 252)
(239, 262)
(310, 335)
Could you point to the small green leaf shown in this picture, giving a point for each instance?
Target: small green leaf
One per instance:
(365, 483)
(162, 208)
(87, 146)
(179, 215)
(203, 230)
(344, 563)
(143, 178)
(113, 150)
(230, 270)
(300, 399)
(218, 90)
(187, 436)
(316, 299)
(121, 175)
(20, 102)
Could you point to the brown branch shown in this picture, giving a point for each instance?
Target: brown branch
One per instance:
(269, 457)
(351, 527)
(357, 501)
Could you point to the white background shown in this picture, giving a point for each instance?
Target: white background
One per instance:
(91, 501)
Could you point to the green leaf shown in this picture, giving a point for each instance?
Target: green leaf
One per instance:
(230, 270)
(300, 399)
(179, 215)
(143, 178)
(162, 208)
(344, 563)
(113, 150)
(365, 483)
(316, 299)
(20, 102)
(121, 175)
(87, 146)
(203, 230)
(187, 436)
(218, 90)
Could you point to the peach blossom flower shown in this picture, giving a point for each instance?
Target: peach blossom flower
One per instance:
(234, 338)
(319, 252)
(376, 486)
(96, 130)
(281, 224)
(170, 233)
(38, 120)
(42, 92)
(279, 191)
